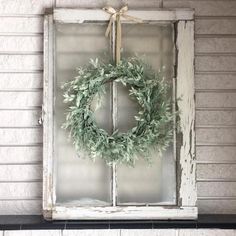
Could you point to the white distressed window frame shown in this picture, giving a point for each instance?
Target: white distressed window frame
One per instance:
(186, 166)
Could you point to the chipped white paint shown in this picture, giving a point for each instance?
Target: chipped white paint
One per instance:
(185, 91)
(212, 41)
(81, 15)
(186, 208)
(48, 118)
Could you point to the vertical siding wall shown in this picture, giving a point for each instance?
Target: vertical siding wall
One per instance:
(21, 67)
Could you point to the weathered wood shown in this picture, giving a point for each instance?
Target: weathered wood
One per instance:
(48, 118)
(205, 8)
(114, 3)
(82, 15)
(186, 208)
(61, 212)
(185, 91)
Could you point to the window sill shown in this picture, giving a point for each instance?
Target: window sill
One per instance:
(34, 222)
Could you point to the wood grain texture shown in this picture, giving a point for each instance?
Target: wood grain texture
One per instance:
(217, 206)
(219, 26)
(21, 81)
(28, 118)
(28, 207)
(21, 44)
(23, 136)
(102, 3)
(31, 190)
(16, 100)
(216, 135)
(215, 118)
(21, 155)
(22, 173)
(216, 171)
(185, 90)
(21, 62)
(216, 153)
(215, 63)
(205, 8)
(215, 45)
(15, 7)
(216, 189)
(21, 24)
(209, 100)
(216, 81)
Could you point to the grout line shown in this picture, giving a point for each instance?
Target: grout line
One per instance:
(22, 53)
(215, 144)
(216, 162)
(214, 54)
(216, 198)
(13, 34)
(21, 181)
(215, 126)
(215, 108)
(21, 90)
(33, 108)
(22, 163)
(217, 180)
(22, 127)
(215, 90)
(215, 35)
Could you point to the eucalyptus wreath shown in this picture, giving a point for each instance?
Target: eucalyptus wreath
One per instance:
(154, 121)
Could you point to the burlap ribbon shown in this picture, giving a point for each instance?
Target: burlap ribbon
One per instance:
(115, 17)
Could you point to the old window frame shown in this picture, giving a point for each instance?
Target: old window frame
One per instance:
(186, 167)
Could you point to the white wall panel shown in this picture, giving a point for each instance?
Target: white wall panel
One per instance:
(22, 25)
(21, 33)
(21, 154)
(8, 7)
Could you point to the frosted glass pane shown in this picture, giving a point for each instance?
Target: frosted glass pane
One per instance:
(79, 181)
(156, 183)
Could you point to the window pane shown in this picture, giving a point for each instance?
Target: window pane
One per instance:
(144, 183)
(79, 180)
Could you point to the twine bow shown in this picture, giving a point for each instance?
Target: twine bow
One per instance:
(115, 17)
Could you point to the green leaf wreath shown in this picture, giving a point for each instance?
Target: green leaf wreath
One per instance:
(154, 120)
